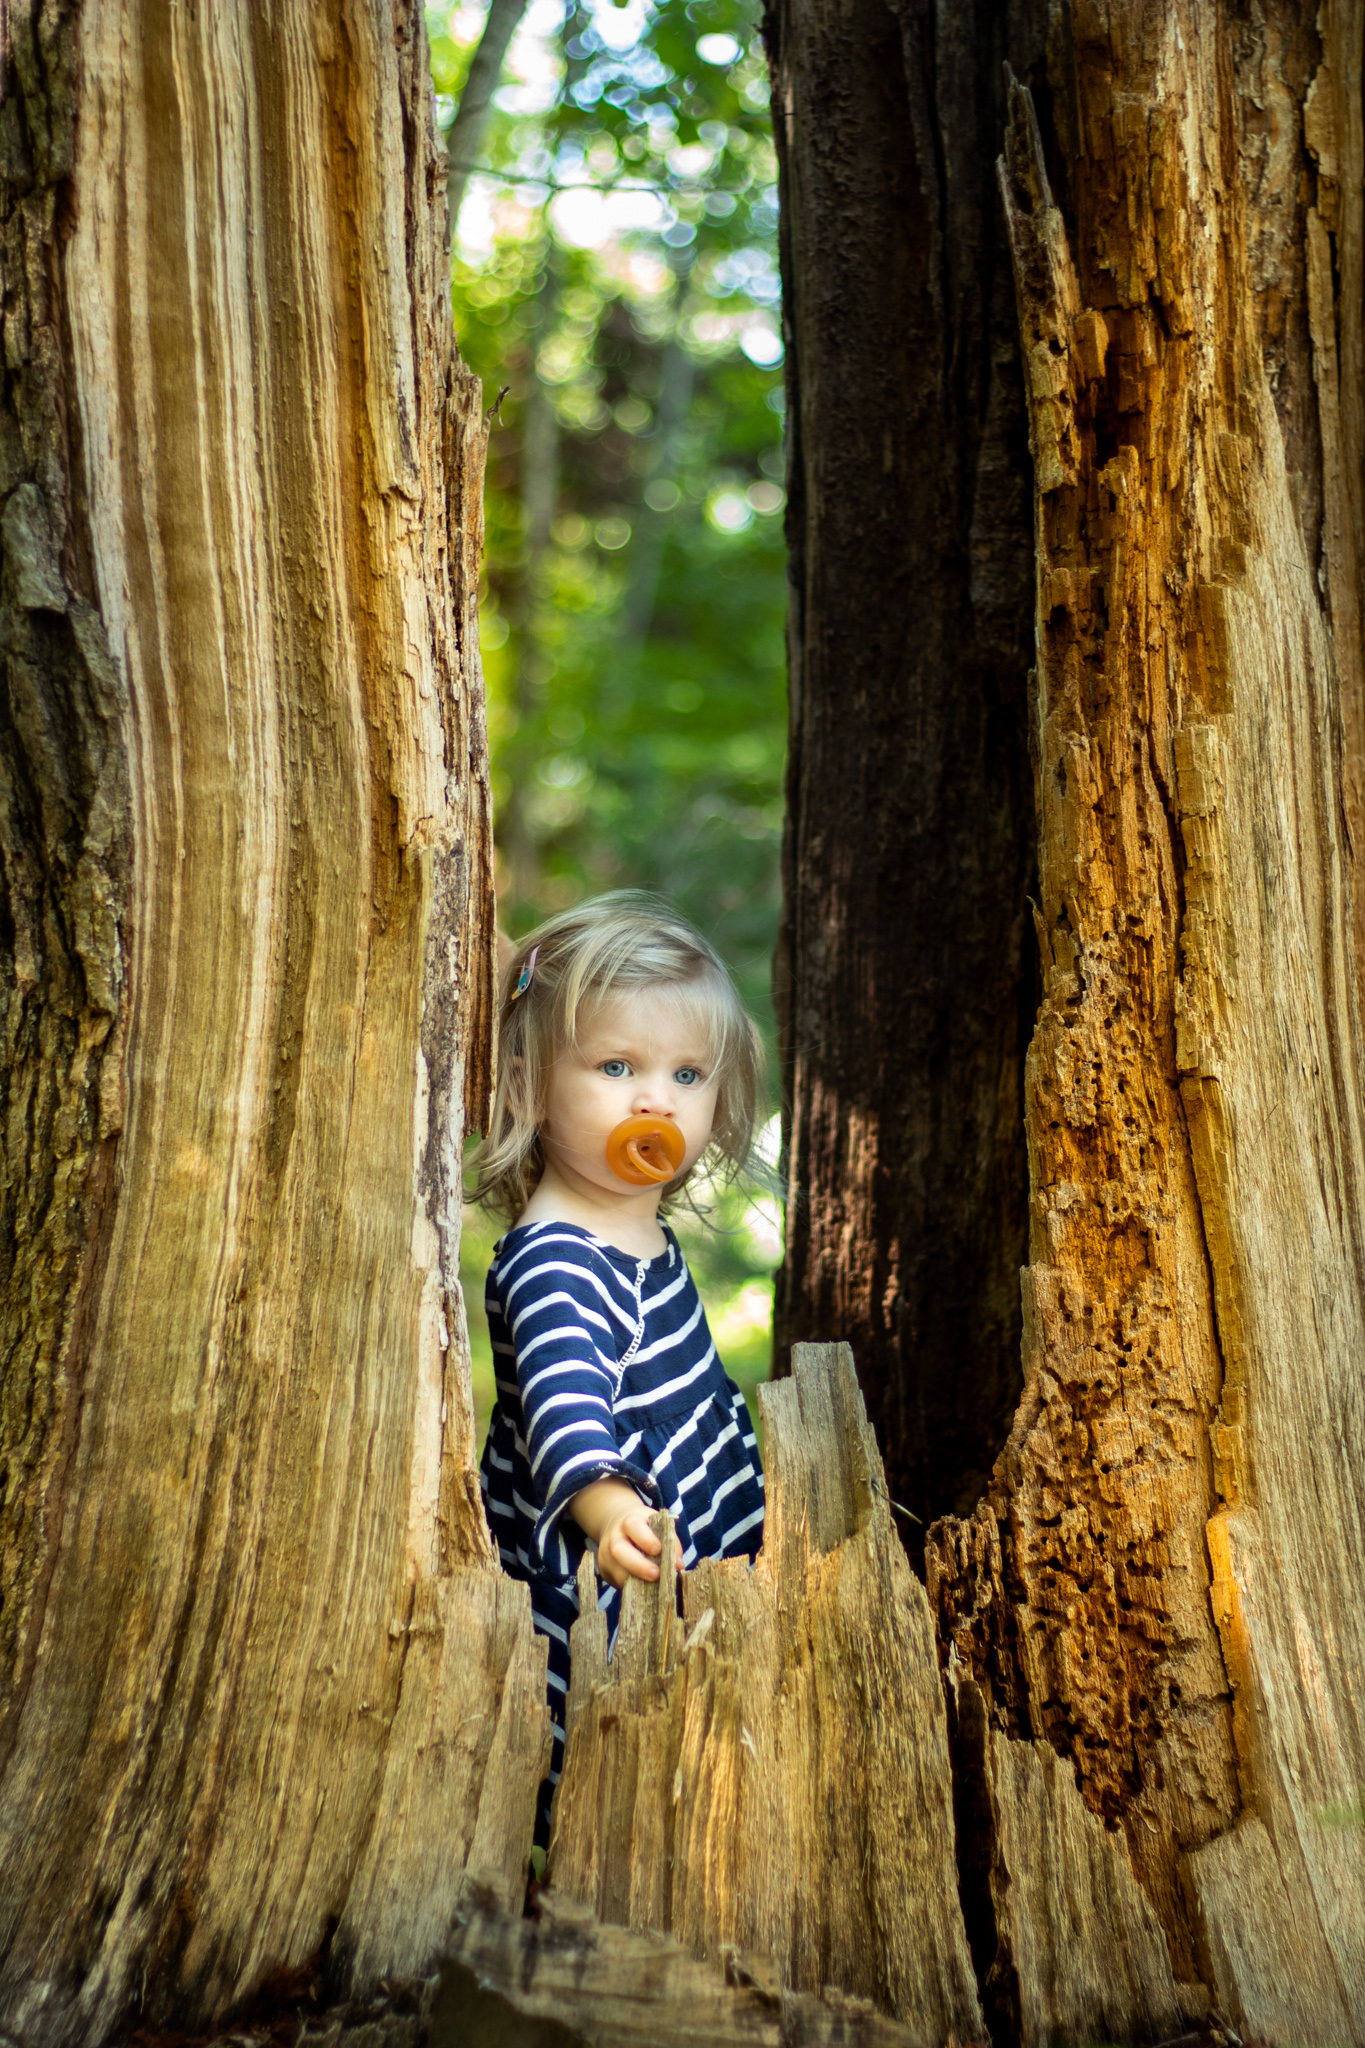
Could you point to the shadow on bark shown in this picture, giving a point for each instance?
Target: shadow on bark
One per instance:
(906, 977)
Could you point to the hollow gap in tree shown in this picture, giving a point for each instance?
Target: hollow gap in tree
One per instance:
(632, 620)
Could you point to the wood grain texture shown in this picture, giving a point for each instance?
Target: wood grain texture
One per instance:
(1332, 119)
(272, 1647)
(1189, 1448)
(1066, 1943)
(65, 845)
(770, 1772)
(569, 1979)
(1107, 1482)
(1267, 1957)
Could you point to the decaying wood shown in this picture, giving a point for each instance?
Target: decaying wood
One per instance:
(770, 1772)
(606, 1987)
(1107, 1481)
(64, 871)
(262, 1684)
(254, 1645)
(1332, 237)
(560, 1978)
(1267, 1955)
(1190, 1449)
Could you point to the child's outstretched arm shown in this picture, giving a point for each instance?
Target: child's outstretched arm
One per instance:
(566, 1323)
(617, 1520)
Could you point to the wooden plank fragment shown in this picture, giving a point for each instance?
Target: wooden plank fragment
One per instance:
(772, 1773)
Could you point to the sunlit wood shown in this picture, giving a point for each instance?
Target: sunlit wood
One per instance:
(264, 1686)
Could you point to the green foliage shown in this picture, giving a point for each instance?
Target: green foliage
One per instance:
(616, 280)
(634, 653)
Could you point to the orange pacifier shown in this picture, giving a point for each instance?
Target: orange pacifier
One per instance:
(645, 1150)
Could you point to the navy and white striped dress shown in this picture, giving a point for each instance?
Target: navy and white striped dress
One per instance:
(605, 1368)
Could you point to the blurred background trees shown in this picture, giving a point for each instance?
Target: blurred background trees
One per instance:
(614, 276)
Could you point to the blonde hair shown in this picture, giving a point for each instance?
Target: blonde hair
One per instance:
(623, 941)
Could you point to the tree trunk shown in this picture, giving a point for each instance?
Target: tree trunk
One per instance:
(264, 1687)
(905, 972)
(266, 1696)
(1157, 1585)
(464, 137)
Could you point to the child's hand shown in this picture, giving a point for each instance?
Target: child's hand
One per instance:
(627, 1547)
(617, 1520)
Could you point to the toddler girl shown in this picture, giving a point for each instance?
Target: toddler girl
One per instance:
(611, 1399)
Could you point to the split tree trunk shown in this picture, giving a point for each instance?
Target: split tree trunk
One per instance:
(263, 1686)
(1160, 1580)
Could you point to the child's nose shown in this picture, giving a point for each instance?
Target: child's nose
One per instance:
(653, 1097)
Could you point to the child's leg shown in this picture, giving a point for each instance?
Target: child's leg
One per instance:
(554, 1610)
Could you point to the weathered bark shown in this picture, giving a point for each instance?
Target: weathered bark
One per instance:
(263, 1686)
(1157, 1585)
(904, 979)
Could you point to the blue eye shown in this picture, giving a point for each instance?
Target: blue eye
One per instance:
(615, 1070)
(687, 1077)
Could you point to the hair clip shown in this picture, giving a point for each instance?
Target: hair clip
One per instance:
(524, 978)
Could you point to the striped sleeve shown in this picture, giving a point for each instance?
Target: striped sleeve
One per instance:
(562, 1316)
